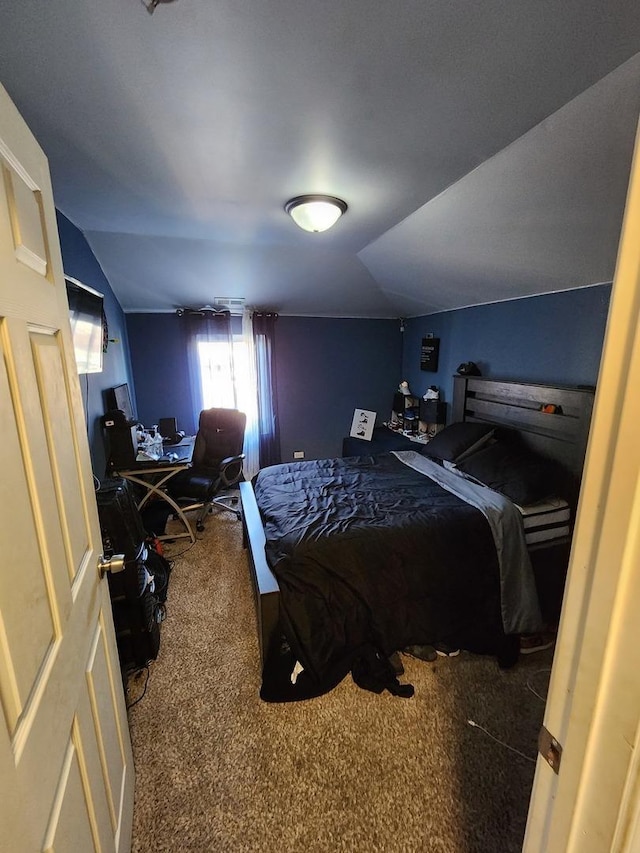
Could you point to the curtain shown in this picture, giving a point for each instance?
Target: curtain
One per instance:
(264, 325)
(201, 326)
(251, 464)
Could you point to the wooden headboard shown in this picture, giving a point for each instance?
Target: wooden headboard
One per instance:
(517, 407)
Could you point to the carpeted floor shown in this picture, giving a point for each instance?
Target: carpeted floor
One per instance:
(220, 770)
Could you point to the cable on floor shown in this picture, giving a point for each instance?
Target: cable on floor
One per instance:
(530, 686)
(501, 742)
(172, 557)
(144, 689)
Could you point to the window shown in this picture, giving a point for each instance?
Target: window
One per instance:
(226, 385)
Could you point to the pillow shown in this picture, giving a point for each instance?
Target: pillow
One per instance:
(518, 474)
(457, 441)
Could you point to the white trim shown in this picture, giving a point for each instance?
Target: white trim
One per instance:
(593, 707)
(511, 299)
(386, 317)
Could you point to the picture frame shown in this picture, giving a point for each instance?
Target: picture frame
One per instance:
(429, 353)
(362, 424)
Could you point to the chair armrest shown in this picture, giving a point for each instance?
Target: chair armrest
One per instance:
(230, 459)
(231, 469)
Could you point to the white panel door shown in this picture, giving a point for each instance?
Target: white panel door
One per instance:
(66, 768)
(592, 805)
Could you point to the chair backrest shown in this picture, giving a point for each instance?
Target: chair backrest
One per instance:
(220, 434)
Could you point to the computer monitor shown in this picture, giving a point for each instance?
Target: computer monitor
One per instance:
(168, 427)
(120, 398)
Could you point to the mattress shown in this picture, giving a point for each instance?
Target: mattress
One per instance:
(546, 522)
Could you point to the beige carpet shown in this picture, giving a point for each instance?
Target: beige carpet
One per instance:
(220, 770)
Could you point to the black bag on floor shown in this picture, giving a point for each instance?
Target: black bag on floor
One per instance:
(158, 566)
(137, 610)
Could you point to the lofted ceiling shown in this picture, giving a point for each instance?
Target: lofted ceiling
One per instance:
(483, 148)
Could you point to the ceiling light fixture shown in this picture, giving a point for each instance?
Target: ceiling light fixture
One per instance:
(315, 212)
(150, 5)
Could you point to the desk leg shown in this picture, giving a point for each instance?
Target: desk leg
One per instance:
(156, 489)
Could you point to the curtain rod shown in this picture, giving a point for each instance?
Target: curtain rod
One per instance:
(209, 309)
(201, 312)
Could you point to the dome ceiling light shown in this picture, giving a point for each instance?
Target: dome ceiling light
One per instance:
(150, 5)
(315, 212)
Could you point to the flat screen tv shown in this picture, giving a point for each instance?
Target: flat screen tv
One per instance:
(86, 316)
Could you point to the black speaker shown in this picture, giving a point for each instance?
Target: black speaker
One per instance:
(137, 612)
(168, 428)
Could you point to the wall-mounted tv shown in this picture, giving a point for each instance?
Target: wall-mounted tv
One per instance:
(86, 314)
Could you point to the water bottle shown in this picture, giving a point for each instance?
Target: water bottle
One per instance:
(156, 440)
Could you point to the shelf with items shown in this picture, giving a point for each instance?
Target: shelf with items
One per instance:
(432, 411)
(404, 416)
(432, 416)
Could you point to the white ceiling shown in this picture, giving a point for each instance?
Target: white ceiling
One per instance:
(483, 148)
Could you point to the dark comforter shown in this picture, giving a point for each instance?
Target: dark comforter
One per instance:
(371, 553)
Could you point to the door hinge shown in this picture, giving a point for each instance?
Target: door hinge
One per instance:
(550, 749)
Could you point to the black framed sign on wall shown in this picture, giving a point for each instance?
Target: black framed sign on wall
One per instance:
(429, 352)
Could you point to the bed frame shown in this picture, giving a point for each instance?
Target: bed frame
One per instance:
(517, 407)
(514, 406)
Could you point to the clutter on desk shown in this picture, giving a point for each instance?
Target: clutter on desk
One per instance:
(169, 431)
(149, 444)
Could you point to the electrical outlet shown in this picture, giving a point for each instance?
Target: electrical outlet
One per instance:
(298, 454)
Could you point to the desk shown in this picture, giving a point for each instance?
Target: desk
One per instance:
(154, 475)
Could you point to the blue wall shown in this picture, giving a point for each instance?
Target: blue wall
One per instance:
(555, 338)
(79, 262)
(160, 370)
(326, 368)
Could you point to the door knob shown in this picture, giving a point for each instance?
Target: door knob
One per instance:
(112, 564)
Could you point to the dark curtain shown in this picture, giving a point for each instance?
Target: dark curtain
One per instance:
(264, 326)
(198, 325)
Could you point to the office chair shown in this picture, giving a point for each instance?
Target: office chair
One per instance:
(216, 465)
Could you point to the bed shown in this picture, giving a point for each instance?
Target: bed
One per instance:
(375, 553)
